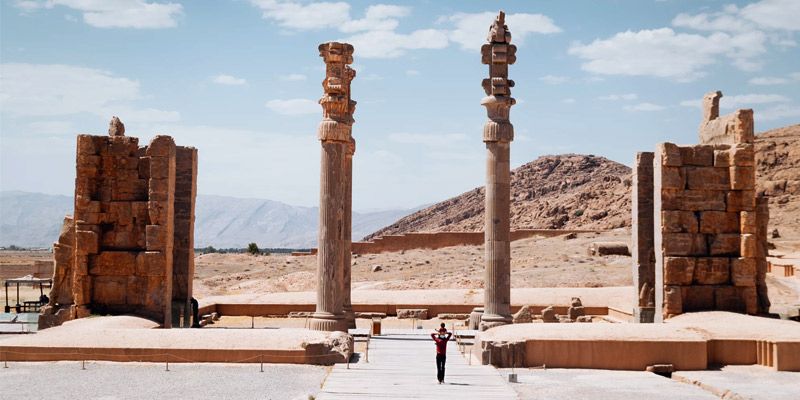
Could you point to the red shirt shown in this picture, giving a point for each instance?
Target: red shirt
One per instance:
(441, 344)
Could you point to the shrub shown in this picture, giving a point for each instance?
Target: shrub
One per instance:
(252, 248)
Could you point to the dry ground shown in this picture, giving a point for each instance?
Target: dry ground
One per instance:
(536, 262)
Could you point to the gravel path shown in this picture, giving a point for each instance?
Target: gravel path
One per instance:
(110, 380)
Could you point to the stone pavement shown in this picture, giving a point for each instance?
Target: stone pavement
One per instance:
(403, 366)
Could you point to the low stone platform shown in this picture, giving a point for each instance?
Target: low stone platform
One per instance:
(690, 342)
(597, 301)
(126, 338)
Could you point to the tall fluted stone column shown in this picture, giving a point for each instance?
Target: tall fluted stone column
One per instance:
(334, 134)
(347, 303)
(498, 133)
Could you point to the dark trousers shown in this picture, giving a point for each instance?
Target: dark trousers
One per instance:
(440, 360)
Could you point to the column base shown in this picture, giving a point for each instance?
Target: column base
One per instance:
(323, 321)
(644, 315)
(475, 318)
(489, 321)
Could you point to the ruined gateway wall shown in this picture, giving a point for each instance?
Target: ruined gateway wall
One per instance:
(128, 249)
(710, 227)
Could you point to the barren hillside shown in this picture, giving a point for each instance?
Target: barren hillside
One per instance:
(778, 160)
(573, 191)
(555, 192)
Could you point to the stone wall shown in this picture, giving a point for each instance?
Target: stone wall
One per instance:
(438, 240)
(709, 249)
(116, 256)
(183, 239)
(642, 247)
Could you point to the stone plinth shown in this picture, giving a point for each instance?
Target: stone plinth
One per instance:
(334, 134)
(498, 133)
(116, 255)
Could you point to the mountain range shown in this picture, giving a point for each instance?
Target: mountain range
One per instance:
(34, 220)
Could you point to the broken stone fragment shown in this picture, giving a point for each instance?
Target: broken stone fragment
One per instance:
(116, 127)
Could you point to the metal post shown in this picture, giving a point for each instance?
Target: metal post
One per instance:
(470, 355)
(367, 351)
(83, 364)
(252, 322)
(167, 365)
(262, 363)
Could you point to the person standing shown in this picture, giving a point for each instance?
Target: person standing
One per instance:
(441, 337)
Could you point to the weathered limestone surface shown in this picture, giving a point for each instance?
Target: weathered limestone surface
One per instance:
(498, 133)
(183, 242)
(709, 225)
(347, 304)
(116, 255)
(334, 134)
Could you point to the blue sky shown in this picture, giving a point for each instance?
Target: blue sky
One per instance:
(240, 79)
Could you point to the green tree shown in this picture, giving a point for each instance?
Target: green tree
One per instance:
(252, 248)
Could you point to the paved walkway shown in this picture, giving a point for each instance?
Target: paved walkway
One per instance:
(404, 367)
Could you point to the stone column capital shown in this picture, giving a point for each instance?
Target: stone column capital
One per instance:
(498, 53)
(337, 106)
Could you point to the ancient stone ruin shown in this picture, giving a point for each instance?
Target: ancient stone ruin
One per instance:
(128, 248)
(498, 133)
(338, 147)
(699, 229)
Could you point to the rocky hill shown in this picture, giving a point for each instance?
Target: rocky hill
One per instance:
(574, 191)
(568, 191)
(778, 161)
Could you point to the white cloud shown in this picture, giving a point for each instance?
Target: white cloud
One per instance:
(554, 79)
(312, 16)
(412, 72)
(721, 21)
(389, 44)
(779, 111)
(768, 80)
(46, 90)
(644, 107)
(795, 76)
(138, 14)
(294, 77)
(666, 54)
(378, 17)
(224, 79)
(745, 100)
(617, 97)
(470, 30)
(294, 106)
(741, 100)
(568, 100)
(434, 140)
(778, 15)
(774, 14)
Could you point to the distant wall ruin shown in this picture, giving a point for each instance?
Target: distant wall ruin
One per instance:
(708, 226)
(438, 240)
(128, 249)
